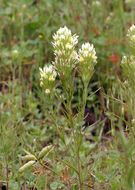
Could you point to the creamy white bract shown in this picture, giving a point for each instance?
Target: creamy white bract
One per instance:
(87, 53)
(64, 50)
(47, 77)
(63, 39)
(48, 72)
(131, 32)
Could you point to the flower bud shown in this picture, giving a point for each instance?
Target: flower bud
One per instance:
(26, 166)
(47, 78)
(64, 49)
(44, 151)
(28, 158)
(47, 91)
(88, 59)
(124, 60)
(24, 6)
(15, 53)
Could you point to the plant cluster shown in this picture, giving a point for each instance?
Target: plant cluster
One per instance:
(67, 62)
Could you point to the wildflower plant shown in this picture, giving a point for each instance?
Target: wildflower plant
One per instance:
(121, 106)
(128, 70)
(127, 96)
(67, 62)
(44, 112)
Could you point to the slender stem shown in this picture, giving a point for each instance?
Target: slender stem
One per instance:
(78, 160)
(84, 99)
(53, 119)
(7, 172)
(75, 144)
(71, 119)
(20, 79)
(88, 16)
(13, 75)
(49, 169)
(22, 26)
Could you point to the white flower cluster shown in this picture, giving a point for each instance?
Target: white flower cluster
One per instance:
(128, 1)
(66, 57)
(124, 59)
(15, 53)
(96, 3)
(130, 61)
(131, 29)
(47, 74)
(87, 53)
(63, 40)
(131, 33)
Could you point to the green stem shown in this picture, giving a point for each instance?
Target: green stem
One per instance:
(7, 172)
(13, 75)
(20, 78)
(75, 145)
(84, 99)
(53, 119)
(49, 169)
(68, 94)
(78, 160)
(22, 26)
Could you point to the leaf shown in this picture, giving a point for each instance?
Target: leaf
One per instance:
(55, 185)
(66, 162)
(45, 150)
(131, 176)
(26, 166)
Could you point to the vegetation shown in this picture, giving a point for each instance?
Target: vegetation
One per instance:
(67, 114)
